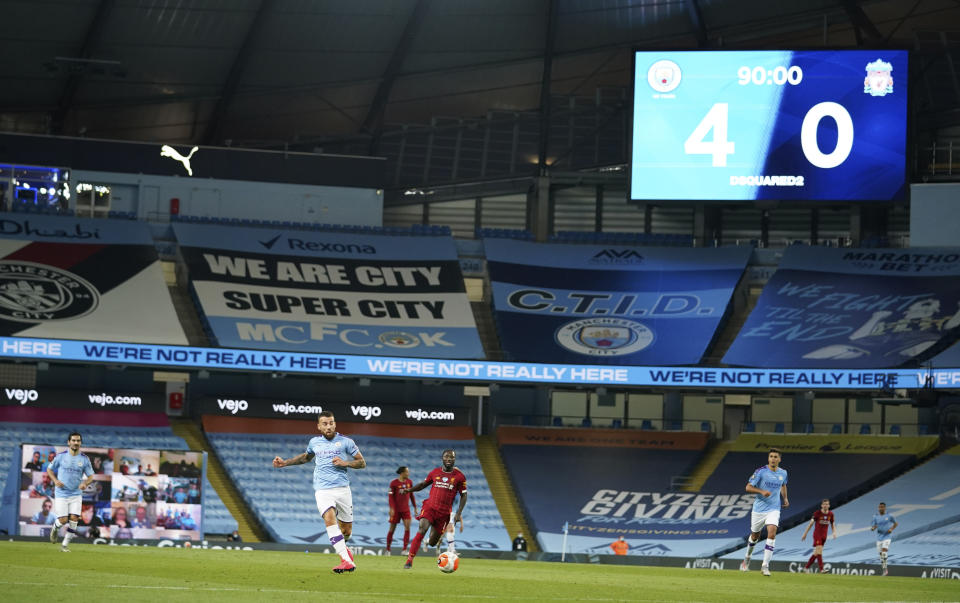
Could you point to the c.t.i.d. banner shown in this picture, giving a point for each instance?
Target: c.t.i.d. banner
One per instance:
(610, 305)
(851, 308)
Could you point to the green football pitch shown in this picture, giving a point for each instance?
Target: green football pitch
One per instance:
(40, 572)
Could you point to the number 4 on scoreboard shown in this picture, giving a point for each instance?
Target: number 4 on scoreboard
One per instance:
(720, 147)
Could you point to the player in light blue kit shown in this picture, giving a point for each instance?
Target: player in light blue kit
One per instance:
(769, 483)
(884, 524)
(67, 471)
(334, 454)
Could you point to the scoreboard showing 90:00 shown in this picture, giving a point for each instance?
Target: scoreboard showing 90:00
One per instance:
(769, 125)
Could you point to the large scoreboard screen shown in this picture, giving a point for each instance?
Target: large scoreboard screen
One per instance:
(769, 125)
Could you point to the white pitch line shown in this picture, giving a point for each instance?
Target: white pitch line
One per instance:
(299, 592)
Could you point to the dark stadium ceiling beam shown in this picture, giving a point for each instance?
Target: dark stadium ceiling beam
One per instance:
(545, 81)
(211, 133)
(90, 39)
(862, 25)
(373, 122)
(696, 19)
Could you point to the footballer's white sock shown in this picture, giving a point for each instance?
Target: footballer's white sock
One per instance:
(71, 532)
(883, 559)
(336, 539)
(451, 540)
(750, 544)
(768, 551)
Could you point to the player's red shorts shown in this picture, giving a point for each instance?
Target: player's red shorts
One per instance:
(398, 515)
(819, 539)
(437, 518)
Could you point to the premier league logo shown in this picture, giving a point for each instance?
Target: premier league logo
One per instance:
(604, 336)
(878, 82)
(32, 292)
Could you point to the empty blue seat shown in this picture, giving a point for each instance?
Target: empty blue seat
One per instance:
(836, 428)
(557, 421)
(705, 426)
(586, 422)
(749, 427)
(646, 424)
(808, 428)
(865, 429)
(778, 428)
(616, 423)
(895, 429)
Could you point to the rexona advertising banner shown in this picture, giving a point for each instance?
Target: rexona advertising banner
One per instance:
(82, 399)
(74, 278)
(593, 304)
(851, 308)
(373, 412)
(330, 292)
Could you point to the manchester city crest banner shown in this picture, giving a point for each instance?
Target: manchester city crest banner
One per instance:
(75, 278)
(851, 308)
(608, 304)
(310, 291)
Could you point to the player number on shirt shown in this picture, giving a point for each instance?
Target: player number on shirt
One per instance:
(719, 147)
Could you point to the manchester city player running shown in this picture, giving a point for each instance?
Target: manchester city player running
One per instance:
(769, 483)
(334, 454)
(883, 523)
(66, 471)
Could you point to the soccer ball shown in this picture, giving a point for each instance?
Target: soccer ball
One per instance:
(448, 562)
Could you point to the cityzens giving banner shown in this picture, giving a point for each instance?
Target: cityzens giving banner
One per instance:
(183, 357)
(330, 292)
(851, 308)
(610, 305)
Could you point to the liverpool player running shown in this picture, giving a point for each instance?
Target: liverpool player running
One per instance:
(822, 519)
(400, 499)
(447, 481)
(769, 483)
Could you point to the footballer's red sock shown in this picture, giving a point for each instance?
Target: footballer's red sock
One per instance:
(820, 562)
(807, 566)
(406, 539)
(389, 539)
(415, 546)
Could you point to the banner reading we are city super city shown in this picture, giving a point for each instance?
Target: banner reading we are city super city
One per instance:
(851, 308)
(75, 278)
(607, 304)
(310, 291)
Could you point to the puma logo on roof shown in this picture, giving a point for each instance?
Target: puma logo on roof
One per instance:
(168, 151)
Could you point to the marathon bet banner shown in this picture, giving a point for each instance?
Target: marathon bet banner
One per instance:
(330, 292)
(77, 278)
(852, 308)
(373, 412)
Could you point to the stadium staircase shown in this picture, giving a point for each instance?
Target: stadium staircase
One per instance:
(248, 527)
(502, 490)
(707, 465)
(745, 300)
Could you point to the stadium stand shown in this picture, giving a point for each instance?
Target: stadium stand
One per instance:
(109, 430)
(923, 503)
(283, 500)
(601, 479)
(812, 476)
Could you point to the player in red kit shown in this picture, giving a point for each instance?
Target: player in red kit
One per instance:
(821, 519)
(400, 499)
(447, 482)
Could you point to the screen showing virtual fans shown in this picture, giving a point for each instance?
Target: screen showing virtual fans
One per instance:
(135, 494)
(769, 125)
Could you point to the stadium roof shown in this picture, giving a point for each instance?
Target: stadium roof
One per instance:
(322, 73)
